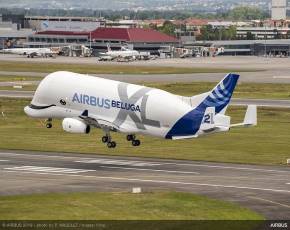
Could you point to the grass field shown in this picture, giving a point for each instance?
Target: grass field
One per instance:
(108, 69)
(120, 206)
(245, 90)
(268, 143)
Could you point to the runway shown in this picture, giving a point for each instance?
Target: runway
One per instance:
(16, 94)
(265, 189)
(264, 70)
(234, 101)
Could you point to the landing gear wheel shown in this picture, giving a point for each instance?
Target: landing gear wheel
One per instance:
(136, 142)
(111, 144)
(105, 139)
(131, 137)
(114, 144)
(49, 125)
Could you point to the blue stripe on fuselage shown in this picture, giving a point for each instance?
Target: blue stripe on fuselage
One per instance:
(190, 123)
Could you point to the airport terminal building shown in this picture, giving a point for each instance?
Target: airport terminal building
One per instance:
(140, 39)
(275, 47)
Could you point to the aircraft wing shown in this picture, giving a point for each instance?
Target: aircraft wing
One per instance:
(106, 125)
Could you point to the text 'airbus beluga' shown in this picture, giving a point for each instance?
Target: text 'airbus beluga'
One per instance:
(84, 101)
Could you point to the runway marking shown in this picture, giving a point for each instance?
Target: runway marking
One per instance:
(158, 181)
(118, 162)
(91, 160)
(153, 170)
(270, 201)
(48, 169)
(143, 163)
(5, 160)
(229, 167)
(43, 156)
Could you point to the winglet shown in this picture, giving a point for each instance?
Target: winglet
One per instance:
(251, 116)
(85, 113)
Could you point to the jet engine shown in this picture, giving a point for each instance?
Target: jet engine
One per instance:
(72, 125)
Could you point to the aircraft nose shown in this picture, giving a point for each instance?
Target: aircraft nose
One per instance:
(28, 111)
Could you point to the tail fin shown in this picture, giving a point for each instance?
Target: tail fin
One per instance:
(208, 104)
(108, 47)
(221, 95)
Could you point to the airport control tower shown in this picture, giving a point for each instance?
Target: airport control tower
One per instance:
(279, 9)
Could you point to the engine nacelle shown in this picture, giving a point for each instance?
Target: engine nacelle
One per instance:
(72, 125)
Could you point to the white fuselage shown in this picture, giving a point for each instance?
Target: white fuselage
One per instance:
(84, 101)
(29, 51)
(123, 53)
(131, 108)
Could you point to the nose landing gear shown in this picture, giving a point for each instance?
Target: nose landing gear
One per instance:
(49, 123)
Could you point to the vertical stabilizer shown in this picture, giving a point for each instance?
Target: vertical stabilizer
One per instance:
(221, 95)
(109, 47)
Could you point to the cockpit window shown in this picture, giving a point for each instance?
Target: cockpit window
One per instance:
(40, 107)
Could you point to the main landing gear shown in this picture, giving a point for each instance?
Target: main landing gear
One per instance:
(48, 123)
(108, 139)
(132, 138)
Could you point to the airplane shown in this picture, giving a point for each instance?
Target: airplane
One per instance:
(85, 102)
(124, 53)
(33, 52)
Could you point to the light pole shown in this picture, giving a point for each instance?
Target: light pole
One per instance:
(90, 40)
(265, 45)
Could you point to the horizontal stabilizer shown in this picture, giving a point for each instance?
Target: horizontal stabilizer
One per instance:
(250, 117)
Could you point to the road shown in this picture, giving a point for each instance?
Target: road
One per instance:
(274, 70)
(229, 62)
(265, 189)
(16, 94)
(270, 76)
(235, 101)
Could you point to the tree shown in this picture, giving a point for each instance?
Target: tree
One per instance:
(168, 28)
(246, 13)
(217, 33)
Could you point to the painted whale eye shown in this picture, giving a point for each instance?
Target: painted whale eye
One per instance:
(62, 102)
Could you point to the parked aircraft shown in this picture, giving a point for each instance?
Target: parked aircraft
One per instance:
(85, 101)
(124, 53)
(33, 52)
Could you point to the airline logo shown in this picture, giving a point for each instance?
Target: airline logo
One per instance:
(127, 105)
(104, 103)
